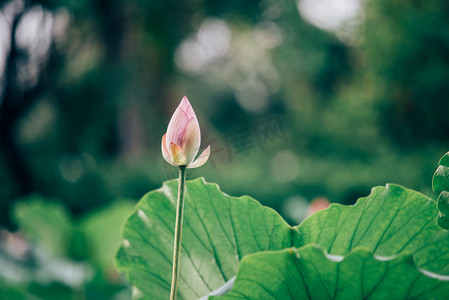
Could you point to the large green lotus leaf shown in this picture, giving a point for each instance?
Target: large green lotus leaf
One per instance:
(218, 231)
(310, 273)
(440, 183)
(390, 221)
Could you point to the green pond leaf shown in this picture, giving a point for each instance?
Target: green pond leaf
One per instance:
(310, 273)
(440, 183)
(392, 220)
(218, 232)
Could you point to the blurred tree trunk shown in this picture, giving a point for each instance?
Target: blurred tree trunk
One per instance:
(13, 104)
(16, 99)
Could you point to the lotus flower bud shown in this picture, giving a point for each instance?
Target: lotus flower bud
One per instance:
(182, 141)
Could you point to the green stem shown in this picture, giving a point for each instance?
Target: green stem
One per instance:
(178, 232)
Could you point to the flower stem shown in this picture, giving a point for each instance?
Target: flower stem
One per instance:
(178, 232)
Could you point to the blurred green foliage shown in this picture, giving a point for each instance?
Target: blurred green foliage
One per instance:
(47, 223)
(66, 258)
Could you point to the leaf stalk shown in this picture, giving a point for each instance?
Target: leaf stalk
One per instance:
(178, 231)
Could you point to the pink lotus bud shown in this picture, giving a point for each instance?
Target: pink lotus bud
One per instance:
(182, 141)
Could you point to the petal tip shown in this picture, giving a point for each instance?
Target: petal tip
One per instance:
(187, 108)
(185, 103)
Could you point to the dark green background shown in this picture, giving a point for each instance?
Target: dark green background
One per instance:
(356, 113)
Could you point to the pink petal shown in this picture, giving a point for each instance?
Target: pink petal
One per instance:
(178, 122)
(175, 129)
(187, 108)
(178, 157)
(165, 152)
(201, 160)
(191, 140)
